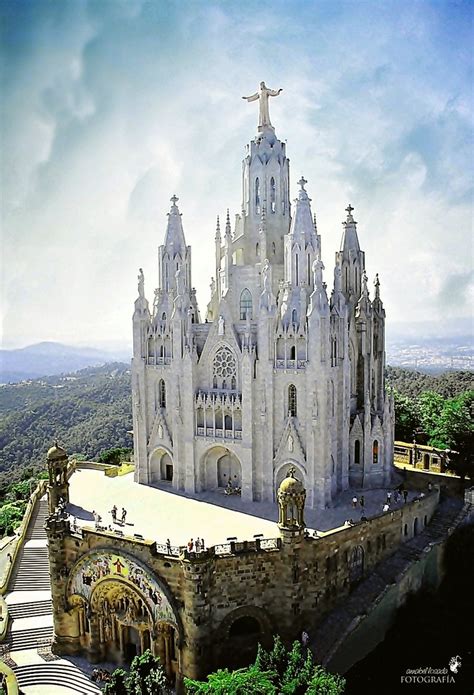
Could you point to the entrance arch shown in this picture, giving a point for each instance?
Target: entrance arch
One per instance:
(161, 466)
(239, 635)
(123, 609)
(219, 466)
(426, 462)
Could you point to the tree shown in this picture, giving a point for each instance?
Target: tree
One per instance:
(244, 681)
(282, 671)
(146, 677)
(115, 455)
(407, 417)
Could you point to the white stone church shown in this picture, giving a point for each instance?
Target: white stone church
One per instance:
(281, 372)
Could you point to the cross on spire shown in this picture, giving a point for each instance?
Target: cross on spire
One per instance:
(349, 209)
(302, 182)
(174, 199)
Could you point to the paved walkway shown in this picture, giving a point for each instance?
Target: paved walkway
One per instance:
(161, 513)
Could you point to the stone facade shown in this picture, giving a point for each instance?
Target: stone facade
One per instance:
(279, 374)
(115, 596)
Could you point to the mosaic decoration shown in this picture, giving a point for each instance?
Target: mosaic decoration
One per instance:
(96, 567)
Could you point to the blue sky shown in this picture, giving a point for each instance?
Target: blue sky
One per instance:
(108, 108)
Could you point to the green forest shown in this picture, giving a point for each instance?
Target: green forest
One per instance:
(89, 412)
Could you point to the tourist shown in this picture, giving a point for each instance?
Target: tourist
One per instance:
(168, 546)
(389, 497)
(362, 502)
(190, 545)
(386, 507)
(124, 514)
(113, 511)
(10, 559)
(430, 487)
(304, 639)
(202, 544)
(197, 545)
(354, 501)
(396, 496)
(363, 518)
(405, 495)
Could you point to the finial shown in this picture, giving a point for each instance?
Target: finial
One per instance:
(302, 182)
(227, 224)
(174, 199)
(349, 209)
(218, 227)
(314, 223)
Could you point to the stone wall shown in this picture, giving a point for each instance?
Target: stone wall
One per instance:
(229, 597)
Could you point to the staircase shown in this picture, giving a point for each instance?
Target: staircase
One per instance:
(61, 675)
(32, 617)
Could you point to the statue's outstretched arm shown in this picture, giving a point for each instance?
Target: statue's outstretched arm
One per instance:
(274, 92)
(254, 97)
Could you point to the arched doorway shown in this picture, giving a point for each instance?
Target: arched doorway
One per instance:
(122, 609)
(219, 466)
(356, 564)
(161, 466)
(240, 634)
(426, 462)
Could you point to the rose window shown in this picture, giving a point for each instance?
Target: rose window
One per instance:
(224, 369)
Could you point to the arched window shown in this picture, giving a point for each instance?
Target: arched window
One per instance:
(357, 451)
(162, 393)
(257, 250)
(293, 353)
(272, 194)
(273, 248)
(308, 269)
(162, 350)
(257, 195)
(296, 269)
(227, 422)
(163, 316)
(224, 367)
(245, 305)
(294, 317)
(375, 452)
(233, 383)
(292, 400)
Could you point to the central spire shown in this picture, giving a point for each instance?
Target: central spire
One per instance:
(264, 112)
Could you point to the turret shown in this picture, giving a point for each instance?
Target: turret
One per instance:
(350, 258)
(58, 485)
(302, 243)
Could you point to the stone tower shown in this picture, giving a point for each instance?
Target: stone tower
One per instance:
(58, 486)
(281, 374)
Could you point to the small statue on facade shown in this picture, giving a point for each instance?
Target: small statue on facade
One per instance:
(141, 283)
(221, 326)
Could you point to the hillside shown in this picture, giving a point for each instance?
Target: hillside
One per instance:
(90, 411)
(43, 358)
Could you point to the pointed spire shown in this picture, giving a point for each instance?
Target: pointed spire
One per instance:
(218, 229)
(174, 230)
(302, 224)
(315, 223)
(228, 229)
(350, 239)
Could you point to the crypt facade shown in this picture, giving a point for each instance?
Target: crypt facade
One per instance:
(280, 372)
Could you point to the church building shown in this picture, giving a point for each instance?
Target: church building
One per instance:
(280, 372)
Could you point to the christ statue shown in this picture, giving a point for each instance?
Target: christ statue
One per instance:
(262, 95)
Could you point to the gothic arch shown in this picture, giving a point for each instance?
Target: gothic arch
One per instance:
(219, 465)
(282, 469)
(224, 366)
(259, 614)
(159, 459)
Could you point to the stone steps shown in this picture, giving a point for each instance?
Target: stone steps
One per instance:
(29, 610)
(27, 639)
(31, 571)
(55, 675)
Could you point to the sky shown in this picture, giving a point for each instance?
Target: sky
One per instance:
(109, 108)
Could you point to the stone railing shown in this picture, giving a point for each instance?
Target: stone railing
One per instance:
(158, 361)
(290, 364)
(218, 433)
